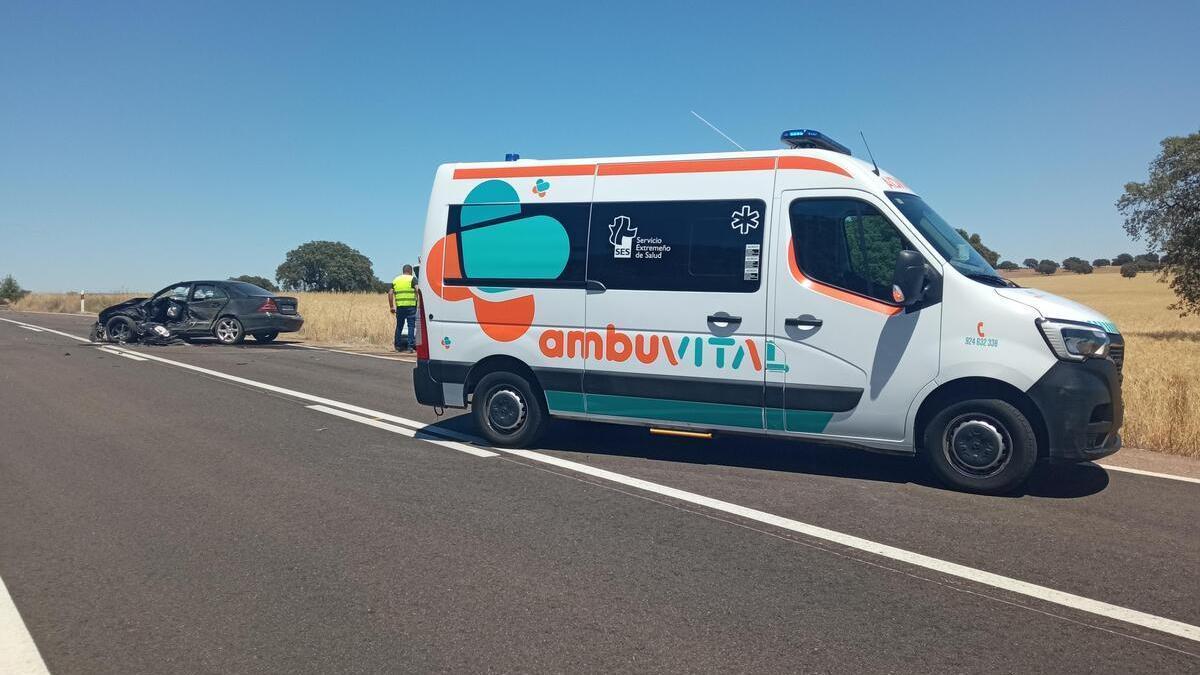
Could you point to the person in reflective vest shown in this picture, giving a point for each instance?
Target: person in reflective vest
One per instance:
(403, 301)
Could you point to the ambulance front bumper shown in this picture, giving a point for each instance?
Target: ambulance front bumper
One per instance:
(1081, 405)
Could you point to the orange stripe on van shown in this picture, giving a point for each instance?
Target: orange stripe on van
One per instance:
(811, 164)
(539, 171)
(688, 166)
(836, 293)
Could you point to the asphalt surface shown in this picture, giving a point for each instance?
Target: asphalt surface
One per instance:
(159, 519)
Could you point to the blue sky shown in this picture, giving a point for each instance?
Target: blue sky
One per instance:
(144, 142)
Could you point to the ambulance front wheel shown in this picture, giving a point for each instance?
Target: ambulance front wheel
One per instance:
(507, 410)
(981, 445)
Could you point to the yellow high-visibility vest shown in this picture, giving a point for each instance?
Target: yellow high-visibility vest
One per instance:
(404, 288)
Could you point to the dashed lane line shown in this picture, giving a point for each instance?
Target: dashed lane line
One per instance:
(982, 577)
(404, 431)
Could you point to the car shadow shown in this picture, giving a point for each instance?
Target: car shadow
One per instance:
(1054, 481)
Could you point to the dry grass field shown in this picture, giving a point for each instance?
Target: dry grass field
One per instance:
(1162, 353)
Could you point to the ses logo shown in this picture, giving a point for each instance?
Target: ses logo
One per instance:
(621, 237)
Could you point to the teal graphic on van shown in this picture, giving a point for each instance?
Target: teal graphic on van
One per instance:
(498, 244)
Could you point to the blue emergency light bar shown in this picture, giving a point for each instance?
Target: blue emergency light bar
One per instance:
(811, 138)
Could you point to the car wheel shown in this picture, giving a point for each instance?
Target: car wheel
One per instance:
(982, 445)
(228, 331)
(266, 337)
(119, 329)
(507, 411)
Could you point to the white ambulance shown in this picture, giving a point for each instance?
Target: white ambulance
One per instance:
(797, 293)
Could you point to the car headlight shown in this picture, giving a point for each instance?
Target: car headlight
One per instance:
(1074, 341)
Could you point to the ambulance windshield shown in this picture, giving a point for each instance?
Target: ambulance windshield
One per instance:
(954, 248)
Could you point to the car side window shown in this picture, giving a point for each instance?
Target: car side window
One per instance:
(703, 246)
(208, 292)
(846, 243)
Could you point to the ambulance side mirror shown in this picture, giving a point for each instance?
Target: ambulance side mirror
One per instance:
(908, 282)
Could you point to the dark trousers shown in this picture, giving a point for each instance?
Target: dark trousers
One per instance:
(405, 316)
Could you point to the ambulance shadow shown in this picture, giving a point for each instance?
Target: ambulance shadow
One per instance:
(785, 456)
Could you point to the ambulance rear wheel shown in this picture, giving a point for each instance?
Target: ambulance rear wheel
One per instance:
(982, 445)
(507, 411)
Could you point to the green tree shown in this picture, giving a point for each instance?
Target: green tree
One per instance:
(1031, 263)
(1073, 263)
(1008, 265)
(1047, 267)
(326, 266)
(1101, 262)
(1129, 270)
(976, 243)
(10, 290)
(261, 282)
(1122, 259)
(1164, 212)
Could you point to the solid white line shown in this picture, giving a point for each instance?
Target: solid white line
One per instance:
(48, 330)
(1070, 600)
(1169, 626)
(343, 351)
(32, 328)
(18, 652)
(1154, 474)
(131, 357)
(478, 452)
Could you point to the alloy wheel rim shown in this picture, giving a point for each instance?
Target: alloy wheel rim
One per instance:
(226, 331)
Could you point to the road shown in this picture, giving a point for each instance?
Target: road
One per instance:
(200, 508)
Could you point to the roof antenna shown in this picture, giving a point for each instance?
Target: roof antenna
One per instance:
(869, 153)
(714, 128)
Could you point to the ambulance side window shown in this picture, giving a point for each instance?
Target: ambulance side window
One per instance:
(703, 246)
(846, 243)
(519, 245)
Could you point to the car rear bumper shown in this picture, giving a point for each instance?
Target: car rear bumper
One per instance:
(283, 323)
(1081, 405)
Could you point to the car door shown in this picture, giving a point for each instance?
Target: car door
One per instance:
(676, 303)
(204, 306)
(843, 359)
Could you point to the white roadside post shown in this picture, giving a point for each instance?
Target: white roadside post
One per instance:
(82, 307)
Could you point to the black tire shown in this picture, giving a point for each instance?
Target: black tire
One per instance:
(981, 445)
(266, 337)
(508, 412)
(228, 331)
(119, 329)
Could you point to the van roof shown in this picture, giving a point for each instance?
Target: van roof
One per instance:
(591, 162)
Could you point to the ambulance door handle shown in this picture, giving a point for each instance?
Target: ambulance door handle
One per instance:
(722, 317)
(806, 321)
(594, 286)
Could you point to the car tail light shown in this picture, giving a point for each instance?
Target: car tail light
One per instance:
(268, 306)
(421, 340)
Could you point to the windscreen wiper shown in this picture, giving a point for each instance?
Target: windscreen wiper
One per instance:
(990, 279)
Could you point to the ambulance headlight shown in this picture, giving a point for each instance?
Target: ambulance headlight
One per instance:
(1074, 341)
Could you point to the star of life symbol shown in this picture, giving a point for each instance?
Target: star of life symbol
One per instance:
(744, 220)
(622, 237)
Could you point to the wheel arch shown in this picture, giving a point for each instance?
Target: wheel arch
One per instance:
(979, 387)
(501, 363)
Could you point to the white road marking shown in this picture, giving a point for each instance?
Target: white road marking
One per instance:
(1154, 474)
(411, 433)
(1043, 593)
(18, 653)
(343, 351)
(48, 330)
(32, 328)
(129, 355)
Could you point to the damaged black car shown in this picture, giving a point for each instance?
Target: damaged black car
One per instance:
(225, 310)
